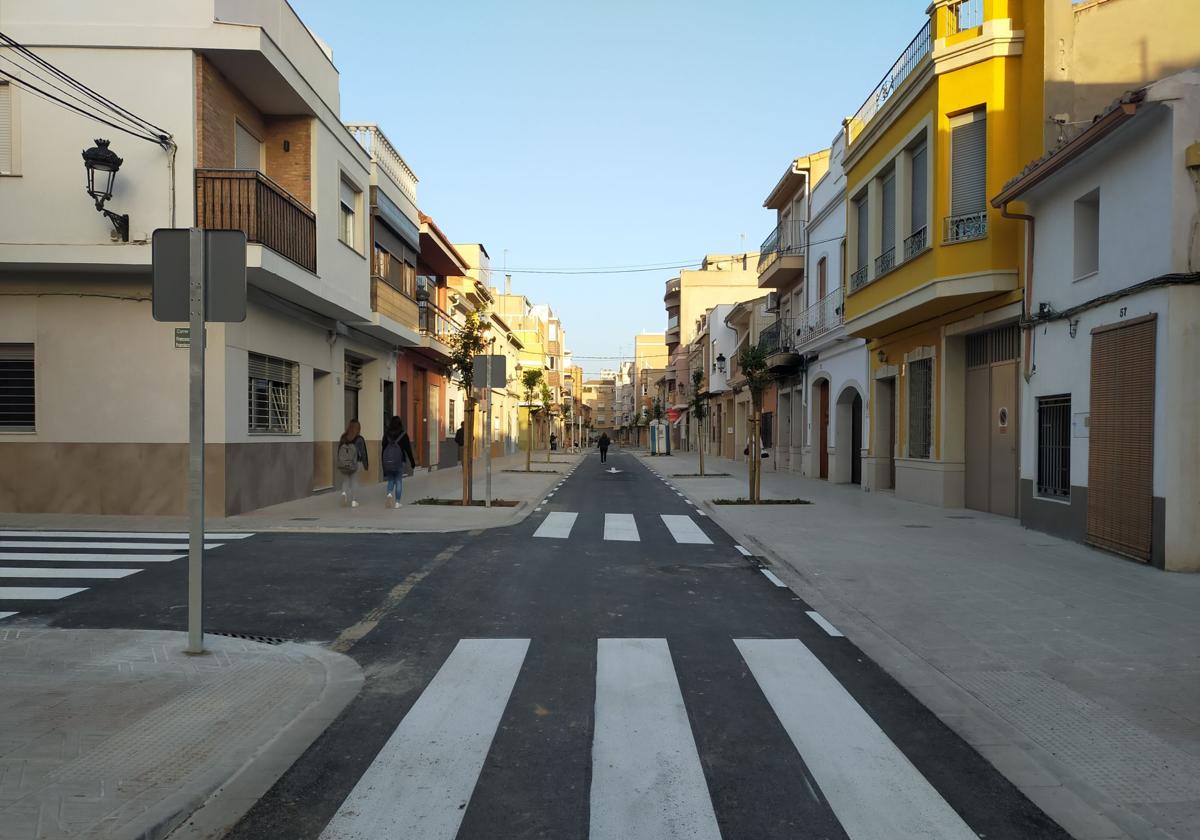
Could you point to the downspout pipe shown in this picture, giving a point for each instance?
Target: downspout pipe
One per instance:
(1027, 302)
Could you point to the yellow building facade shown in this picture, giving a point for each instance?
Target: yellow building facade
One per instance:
(934, 273)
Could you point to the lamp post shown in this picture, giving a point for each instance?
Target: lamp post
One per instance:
(102, 164)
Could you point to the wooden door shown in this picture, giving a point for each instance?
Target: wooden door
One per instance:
(823, 428)
(856, 439)
(1005, 434)
(418, 433)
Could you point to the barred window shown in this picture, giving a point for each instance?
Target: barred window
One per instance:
(1054, 447)
(274, 395)
(17, 391)
(920, 408)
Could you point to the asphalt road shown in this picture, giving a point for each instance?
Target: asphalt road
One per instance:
(613, 667)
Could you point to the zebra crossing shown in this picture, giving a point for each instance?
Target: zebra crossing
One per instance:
(648, 779)
(623, 527)
(81, 556)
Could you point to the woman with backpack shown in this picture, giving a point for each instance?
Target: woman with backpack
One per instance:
(351, 452)
(396, 448)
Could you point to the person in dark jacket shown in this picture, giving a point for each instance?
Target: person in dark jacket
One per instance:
(395, 450)
(603, 444)
(351, 457)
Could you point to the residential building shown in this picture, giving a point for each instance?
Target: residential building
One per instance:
(1109, 394)
(933, 272)
(748, 319)
(722, 346)
(649, 352)
(599, 395)
(250, 100)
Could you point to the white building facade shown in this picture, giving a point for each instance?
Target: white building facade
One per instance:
(1110, 397)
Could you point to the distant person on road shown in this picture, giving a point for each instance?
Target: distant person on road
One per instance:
(603, 443)
(351, 455)
(395, 450)
(553, 441)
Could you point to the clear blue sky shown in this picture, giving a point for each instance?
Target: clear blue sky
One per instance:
(584, 133)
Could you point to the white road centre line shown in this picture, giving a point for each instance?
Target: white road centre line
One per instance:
(769, 575)
(557, 525)
(743, 551)
(647, 781)
(77, 573)
(38, 593)
(873, 789)
(419, 784)
(4, 615)
(824, 624)
(621, 527)
(122, 535)
(29, 557)
(684, 530)
(148, 546)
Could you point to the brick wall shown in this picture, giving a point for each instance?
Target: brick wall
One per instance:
(291, 169)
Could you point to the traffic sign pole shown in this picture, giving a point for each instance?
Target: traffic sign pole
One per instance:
(195, 622)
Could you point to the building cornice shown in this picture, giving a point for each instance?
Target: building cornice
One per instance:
(997, 39)
(978, 283)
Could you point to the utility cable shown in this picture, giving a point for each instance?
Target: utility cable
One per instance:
(37, 91)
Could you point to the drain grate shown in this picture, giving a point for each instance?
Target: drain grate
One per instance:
(305, 518)
(916, 526)
(960, 516)
(249, 637)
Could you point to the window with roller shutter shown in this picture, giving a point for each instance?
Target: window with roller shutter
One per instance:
(18, 391)
(968, 178)
(6, 129)
(1121, 438)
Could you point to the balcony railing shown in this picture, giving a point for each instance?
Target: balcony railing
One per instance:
(787, 239)
(384, 155)
(965, 14)
(823, 317)
(672, 287)
(885, 262)
(917, 49)
(965, 227)
(916, 243)
(777, 338)
(673, 322)
(859, 279)
(249, 201)
(436, 322)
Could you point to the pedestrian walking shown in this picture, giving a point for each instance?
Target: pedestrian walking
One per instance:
(396, 448)
(603, 443)
(351, 457)
(553, 442)
(459, 436)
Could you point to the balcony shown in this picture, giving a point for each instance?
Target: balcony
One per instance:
(671, 298)
(885, 262)
(916, 243)
(435, 322)
(917, 50)
(776, 342)
(860, 278)
(821, 319)
(384, 155)
(781, 255)
(965, 227)
(964, 15)
(249, 201)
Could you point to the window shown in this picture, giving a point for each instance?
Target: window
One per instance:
(17, 388)
(451, 426)
(864, 228)
(395, 271)
(822, 277)
(247, 149)
(887, 238)
(1054, 447)
(920, 408)
(968, 178)
(919, 181)
(1087, 234)
(274, 395)
(6, 129)
(351, 198)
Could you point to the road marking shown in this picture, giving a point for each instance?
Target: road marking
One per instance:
(4, 615)
(537, 510)
(122, 535)
(557, 525)
(771, 577)
(419, 784)
(28, 556)
(684, 530)
(825, 625)
(743, 551)
(620, 527)
(647, 782)
(701, 513)
(38, 593)
(155, 546)
(873, 789)
(43, 572)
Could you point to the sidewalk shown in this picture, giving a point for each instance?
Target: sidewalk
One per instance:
(1076, 673)
(119, 734)
(324, 513)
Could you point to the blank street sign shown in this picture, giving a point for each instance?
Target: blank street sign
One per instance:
(224, 275)
(480, 371)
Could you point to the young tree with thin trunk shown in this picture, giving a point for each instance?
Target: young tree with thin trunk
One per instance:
(546, 404)
(530, 379)
(753, 362)
(699, 405)
(466, 343)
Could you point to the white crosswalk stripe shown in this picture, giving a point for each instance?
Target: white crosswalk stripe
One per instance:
(557, 525)
(122, 535)
(620, 527)
(52, 557)
(74, 573)
(38, 593)
(685, 530)
(149, 546)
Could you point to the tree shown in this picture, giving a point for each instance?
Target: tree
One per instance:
(466, 343)
(530, 379)
(699, 407)
(546, 404)
(753, 362)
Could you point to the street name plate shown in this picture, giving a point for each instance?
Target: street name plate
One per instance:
(183, 337)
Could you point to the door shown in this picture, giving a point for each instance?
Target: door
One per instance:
(247, 150)
(978, 446)
(389, 396)
(1120, 498)
(823, 428)
(323, 400)
(435, 423)
(419, 431)
(992, 421)
(783, 452)
(856, 426)
(1005, 433)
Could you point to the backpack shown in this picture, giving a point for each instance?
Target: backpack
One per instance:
(347, 458)
(393, 457)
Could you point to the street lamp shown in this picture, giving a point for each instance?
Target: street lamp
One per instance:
(721, 363)
(104, 161)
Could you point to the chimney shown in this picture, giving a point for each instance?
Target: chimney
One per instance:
(508, 284)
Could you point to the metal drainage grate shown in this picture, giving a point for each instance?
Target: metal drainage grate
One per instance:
(960, 516)
(304, 518)
(916, 526)
(249, 637)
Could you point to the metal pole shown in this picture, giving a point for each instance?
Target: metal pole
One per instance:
(196, 441)
(487, 432)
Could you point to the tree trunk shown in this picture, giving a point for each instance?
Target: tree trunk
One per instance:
(700, 443)
(528, 440)
(468, 450)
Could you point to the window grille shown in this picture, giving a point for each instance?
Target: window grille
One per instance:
(274, 395)
(998, 345)
(1054, 447)
(6, 129)
(920, 408)
(354, 373)
(17, 388)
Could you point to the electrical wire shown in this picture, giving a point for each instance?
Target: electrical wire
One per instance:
(35, 90)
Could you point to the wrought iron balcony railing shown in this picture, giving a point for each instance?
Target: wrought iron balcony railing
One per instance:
(820, 319)
(965, 14)
(965, 227)
(916, 243)
(787, 239)
(859, 279)
(249, 201)
(776, 338)
(885, 262)
(918, 48)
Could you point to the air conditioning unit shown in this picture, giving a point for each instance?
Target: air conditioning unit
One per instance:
(773, 301)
